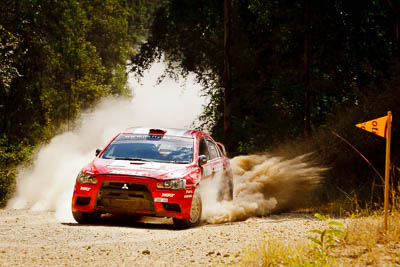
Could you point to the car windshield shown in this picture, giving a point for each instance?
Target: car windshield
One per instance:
(143, 147)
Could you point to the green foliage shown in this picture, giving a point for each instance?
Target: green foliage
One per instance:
(319, 253)
(58, 58)
(8, 47)
(325, 240)
(352, 43)
(354, 77)
(10, 156)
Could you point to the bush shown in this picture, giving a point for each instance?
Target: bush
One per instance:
(349, 174)
(7, 182)
(10, 156)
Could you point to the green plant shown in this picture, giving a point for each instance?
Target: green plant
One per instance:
(326, 239)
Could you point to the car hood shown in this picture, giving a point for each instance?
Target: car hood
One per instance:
(158, 170)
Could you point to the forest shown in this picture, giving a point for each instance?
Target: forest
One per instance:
(301, 70)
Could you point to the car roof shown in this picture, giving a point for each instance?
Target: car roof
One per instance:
(167, 131)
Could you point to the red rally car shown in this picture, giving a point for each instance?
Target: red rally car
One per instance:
(152, 172)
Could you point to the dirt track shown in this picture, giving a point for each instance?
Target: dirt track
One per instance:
(30, 238)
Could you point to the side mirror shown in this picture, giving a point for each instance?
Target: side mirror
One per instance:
(98, 151)
(202, 160)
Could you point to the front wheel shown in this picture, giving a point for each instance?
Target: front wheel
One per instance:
(85, 217)
(195, 213)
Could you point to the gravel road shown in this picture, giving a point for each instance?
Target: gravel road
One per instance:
(31, 238)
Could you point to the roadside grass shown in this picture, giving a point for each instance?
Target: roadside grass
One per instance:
(367, 243)
(277, 253)
(360, 241)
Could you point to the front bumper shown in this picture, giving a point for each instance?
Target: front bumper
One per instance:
(130, 194)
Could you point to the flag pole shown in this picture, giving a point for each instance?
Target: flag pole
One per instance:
(387, 167)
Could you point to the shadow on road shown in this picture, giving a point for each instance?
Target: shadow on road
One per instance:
(141, 222)
(156, 223)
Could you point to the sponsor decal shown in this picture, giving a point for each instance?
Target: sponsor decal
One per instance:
(189, 191)
(167, 195)
(188, 196)
(160, 199)
(125, 172)
(84, 188)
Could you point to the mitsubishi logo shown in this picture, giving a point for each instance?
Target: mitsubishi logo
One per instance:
(125, 186)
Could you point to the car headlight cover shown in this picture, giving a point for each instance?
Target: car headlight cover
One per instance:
(172, 184)
(84, 178)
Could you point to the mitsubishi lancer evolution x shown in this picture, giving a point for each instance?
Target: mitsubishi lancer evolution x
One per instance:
(152, 172)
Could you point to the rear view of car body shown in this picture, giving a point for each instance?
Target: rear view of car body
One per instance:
(164, 185)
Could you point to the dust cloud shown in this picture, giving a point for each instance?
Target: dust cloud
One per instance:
(48, 184)
(263, 185)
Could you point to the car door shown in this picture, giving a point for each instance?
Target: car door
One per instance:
(215, 165)
(206, 169)
(216, 168)
(217, 161)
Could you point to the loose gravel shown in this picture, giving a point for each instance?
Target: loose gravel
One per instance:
(33, 238)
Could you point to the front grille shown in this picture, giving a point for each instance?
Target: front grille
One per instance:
(171, 207)
(120, 197)
(82, 201)
(120, 185)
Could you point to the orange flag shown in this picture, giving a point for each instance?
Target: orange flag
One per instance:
(377, 126)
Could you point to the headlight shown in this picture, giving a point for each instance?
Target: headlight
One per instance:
(172, 184)
(84, 178)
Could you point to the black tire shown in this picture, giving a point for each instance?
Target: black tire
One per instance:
(196, 209)
(230, 193)
(86, 217)
(226, 192)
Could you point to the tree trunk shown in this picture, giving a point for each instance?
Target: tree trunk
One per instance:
(396, 12)
(227, 73)
(307, 58)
